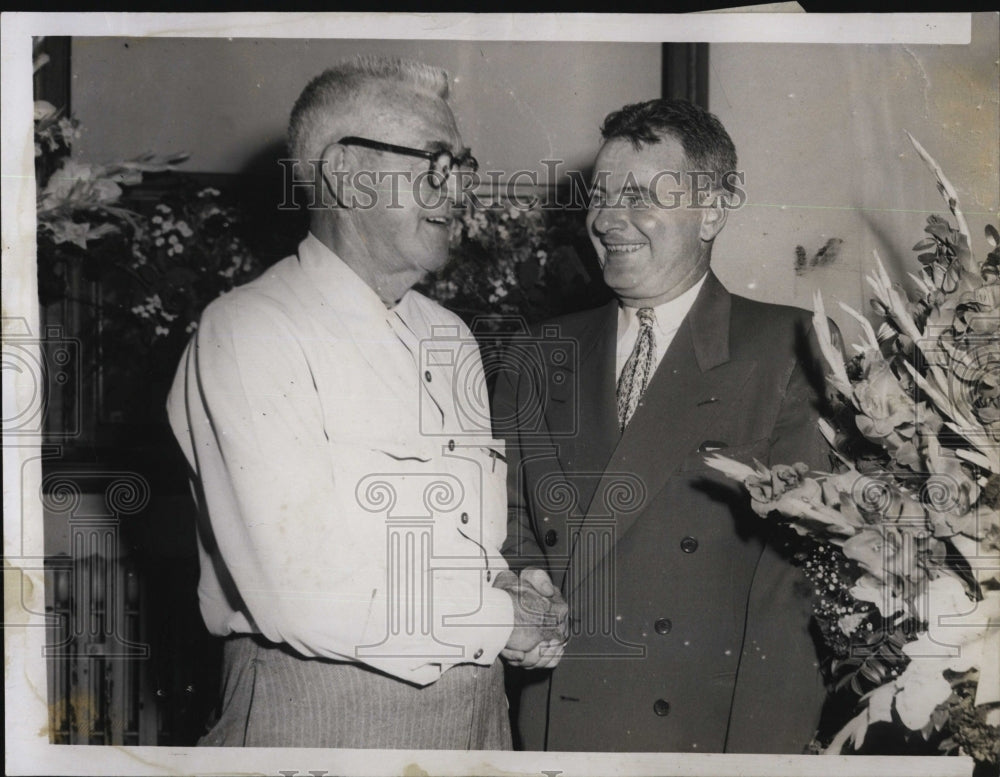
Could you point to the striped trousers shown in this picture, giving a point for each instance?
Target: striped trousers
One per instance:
(273, 697)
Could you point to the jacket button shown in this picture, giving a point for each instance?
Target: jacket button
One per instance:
(661, 707)
(451, 443)
(478, 653)
(663, 625)
(465, 518)
(551, 537)
(689, 544)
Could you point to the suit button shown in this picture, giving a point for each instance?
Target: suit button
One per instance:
(689, 544)
(663, 625)
(551, 537)
(661, 707)
(489, 576)
(427, 376)
(478, 653)
(451, 443)
(465, 518)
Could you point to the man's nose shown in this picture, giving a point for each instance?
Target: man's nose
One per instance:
(608, 219)
(460, 182)
(453, 188)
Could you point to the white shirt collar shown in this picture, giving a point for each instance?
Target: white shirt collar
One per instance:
(669, 315)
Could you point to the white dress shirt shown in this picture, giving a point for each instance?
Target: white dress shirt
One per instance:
(355, 498)
(669, 316)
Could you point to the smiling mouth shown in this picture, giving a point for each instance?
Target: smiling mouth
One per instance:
(623, 248)
(439, 220)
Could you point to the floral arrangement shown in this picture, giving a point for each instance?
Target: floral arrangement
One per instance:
(132, 267)
(905, 535)
(511, 264)
(165, 266)
(182, 257)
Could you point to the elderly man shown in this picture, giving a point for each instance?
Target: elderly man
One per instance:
(351, 522)
(688, 629)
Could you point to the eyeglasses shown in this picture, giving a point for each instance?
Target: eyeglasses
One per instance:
(442, 161)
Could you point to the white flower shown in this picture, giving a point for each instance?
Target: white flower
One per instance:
(941, 600)
(880, 703)
(44, 110)
(848, 624)
(162, 330)
(958, 629)
(870, 589)
(921, 688)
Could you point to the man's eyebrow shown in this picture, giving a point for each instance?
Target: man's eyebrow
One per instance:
(634, 187)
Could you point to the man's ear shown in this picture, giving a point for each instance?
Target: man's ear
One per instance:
(713, 215)
(334, 161)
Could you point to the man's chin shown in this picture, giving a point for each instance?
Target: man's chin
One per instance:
(435, 264)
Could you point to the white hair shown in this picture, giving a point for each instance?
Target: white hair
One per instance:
(330, 102)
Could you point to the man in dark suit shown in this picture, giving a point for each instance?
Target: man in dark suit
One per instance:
(689, 626)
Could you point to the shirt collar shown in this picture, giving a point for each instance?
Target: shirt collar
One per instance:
(669, 315)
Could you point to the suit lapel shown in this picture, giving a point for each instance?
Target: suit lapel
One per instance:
(581, 413)
(680, 405)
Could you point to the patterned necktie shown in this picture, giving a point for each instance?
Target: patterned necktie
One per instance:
(638, 369)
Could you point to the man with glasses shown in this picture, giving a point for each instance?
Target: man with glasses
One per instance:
(351, 521)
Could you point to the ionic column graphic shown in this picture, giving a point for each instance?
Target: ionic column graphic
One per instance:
(409, 554)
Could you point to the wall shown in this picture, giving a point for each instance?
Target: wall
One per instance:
(819, 127)
(225, 101)
(820, 134)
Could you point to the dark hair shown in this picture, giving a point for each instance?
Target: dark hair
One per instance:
(707, 146)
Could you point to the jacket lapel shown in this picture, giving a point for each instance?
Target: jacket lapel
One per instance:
(581, 412)
(680, 405)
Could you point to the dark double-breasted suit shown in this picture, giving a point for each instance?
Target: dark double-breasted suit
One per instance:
(689, 632)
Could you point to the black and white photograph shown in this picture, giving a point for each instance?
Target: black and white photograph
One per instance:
(564, 394)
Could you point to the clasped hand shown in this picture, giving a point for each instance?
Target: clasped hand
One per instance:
(540, 619)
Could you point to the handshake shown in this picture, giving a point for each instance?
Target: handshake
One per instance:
(541, 625)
